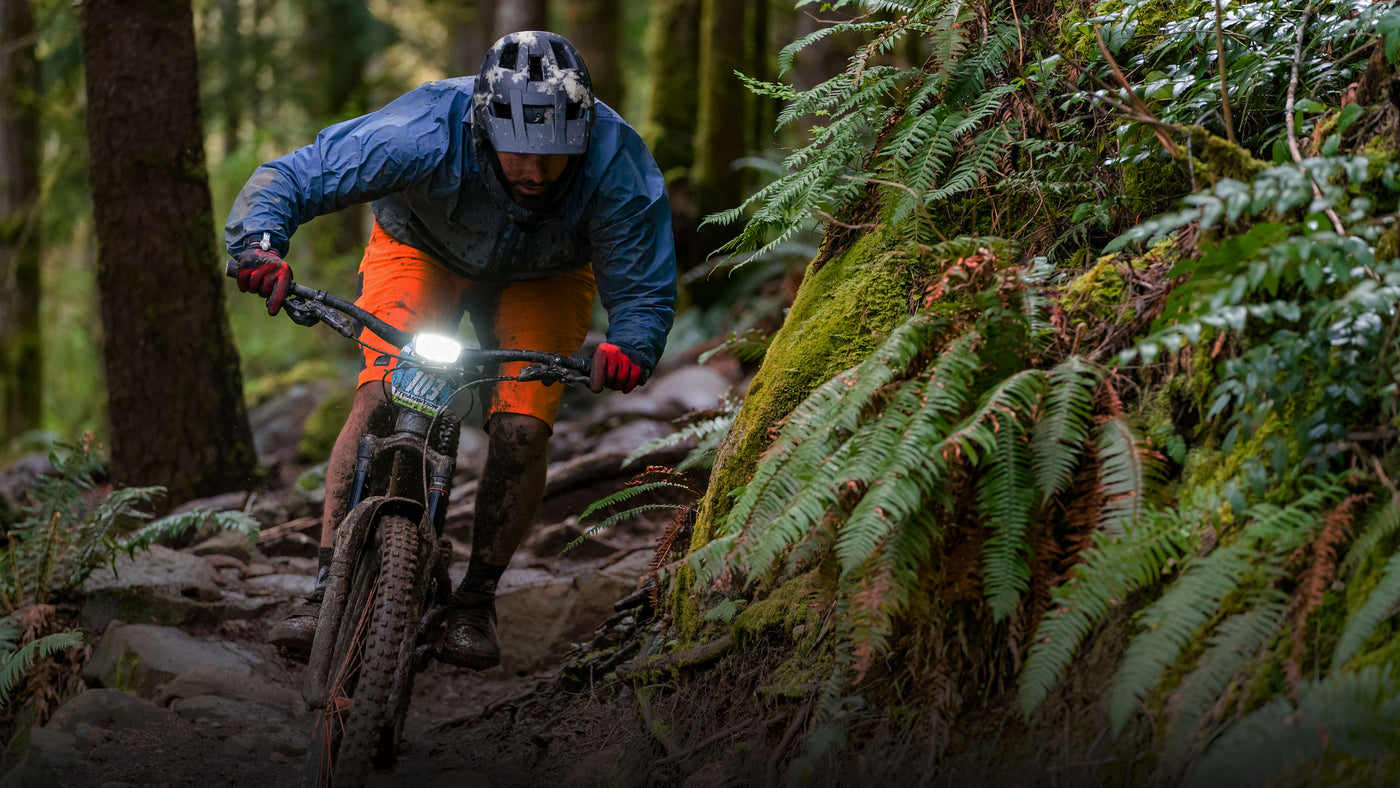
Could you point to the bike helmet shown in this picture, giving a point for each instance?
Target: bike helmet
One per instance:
(533, 95)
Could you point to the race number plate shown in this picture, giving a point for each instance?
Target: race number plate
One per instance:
(421, 390)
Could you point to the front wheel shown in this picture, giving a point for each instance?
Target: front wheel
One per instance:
(379, 617)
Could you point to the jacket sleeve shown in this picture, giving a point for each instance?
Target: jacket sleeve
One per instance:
(356, 161)
(634, 257)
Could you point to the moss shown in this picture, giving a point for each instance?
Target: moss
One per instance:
(261, 389)
(842, 312)
(323, 426)
(1096, 293)
(785, 611)
(1214, 159)
(1153, 183)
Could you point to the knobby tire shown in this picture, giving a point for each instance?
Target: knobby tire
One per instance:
(379, 617)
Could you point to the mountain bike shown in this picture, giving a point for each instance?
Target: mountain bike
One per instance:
(386, 596)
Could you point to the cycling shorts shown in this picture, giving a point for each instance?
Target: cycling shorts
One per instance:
(410, 289)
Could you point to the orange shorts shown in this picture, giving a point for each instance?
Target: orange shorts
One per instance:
(410, 289)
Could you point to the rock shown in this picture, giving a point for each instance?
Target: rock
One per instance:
(278, 423)
(225, 502)
(35, 769)
(109, 709)
(471, 452)
(142, 657)
(664, 399)
(225, 562)
(551, 541)
(540, 614)
(286, 586)
(258, 569)
(158, 586)
(158, 569)
(228, 543)
(201, 683)
(630, 436)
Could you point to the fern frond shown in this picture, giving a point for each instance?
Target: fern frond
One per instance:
(1380, 604)
(632, 491)
(1171, 622)
(1383, 521)
(1342, 731)
(175, 525)
(1232, 646)
(1063, 429)
(613, 519)
(1006, 495)
(1114, 568)
(14, 664)
(827, 416)
(1124, 474)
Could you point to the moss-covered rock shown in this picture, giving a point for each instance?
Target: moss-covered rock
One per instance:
(843, 311)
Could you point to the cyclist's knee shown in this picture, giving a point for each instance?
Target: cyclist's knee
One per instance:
(518, 433)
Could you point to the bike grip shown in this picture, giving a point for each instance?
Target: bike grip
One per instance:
(231, 268)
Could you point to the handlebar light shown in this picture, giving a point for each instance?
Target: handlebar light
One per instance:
(436, 348)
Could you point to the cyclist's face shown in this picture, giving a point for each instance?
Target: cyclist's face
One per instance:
(531, 176)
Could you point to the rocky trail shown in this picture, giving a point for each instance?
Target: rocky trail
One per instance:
(182, 690)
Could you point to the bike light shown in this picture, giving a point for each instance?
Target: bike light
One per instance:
(436, 348)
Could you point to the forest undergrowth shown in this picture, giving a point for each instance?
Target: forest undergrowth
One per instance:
(1103, 489)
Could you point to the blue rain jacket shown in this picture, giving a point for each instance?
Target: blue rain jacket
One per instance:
(415, 162)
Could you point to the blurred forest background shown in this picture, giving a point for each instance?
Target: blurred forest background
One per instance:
(271, 74)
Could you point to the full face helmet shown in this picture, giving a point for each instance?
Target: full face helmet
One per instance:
(532, 95)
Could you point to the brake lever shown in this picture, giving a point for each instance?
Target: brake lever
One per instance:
(550, 374)
(306, 312)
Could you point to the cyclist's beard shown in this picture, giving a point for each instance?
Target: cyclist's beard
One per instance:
(534, 202)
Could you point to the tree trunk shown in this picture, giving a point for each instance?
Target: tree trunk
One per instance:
(469, 28)
(516, 15)
(674, 62)
(595, 27)
(175, 396)
(20, 356)
(719, 138)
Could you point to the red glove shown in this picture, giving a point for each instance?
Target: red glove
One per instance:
(263, 271)
(616, 368)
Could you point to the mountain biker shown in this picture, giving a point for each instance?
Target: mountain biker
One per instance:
(511, 197)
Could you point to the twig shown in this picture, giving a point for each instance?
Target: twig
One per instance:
(718, 737)
(771, 779)
(697, 656)
(1224, 86)
(1288, 117)
(1136, 100)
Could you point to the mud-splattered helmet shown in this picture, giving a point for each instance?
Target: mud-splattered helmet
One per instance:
(533, 95)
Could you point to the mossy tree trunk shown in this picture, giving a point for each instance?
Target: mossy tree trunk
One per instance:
(844, 310)
(175, 392)
(20, 355)
(595, 27)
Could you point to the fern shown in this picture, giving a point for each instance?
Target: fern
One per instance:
(1006, 495)
(15, 660)
(1172, 622)
(1063, 429)
(1380, 604)
(1342, 731)
(1383, 522)
(1111, 570)
(1232, 646)
(1124, 474)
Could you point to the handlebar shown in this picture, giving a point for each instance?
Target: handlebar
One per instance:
(317, 305)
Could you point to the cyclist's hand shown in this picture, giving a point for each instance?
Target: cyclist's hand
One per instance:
(263, 271)
(616, 368)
